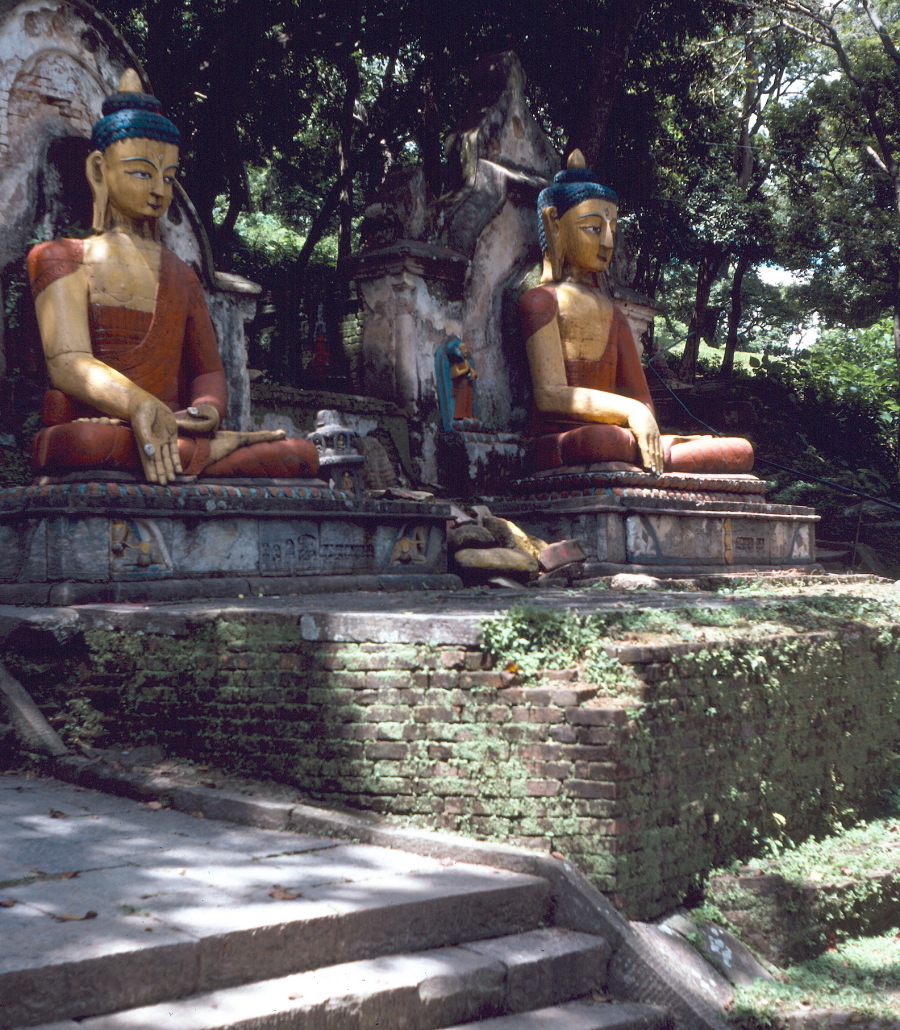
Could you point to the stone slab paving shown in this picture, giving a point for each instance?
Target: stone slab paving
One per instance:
(112, 900)
(424, 990)
(578, 1015)
(432, 617)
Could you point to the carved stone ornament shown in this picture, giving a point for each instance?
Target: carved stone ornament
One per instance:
(339, 460)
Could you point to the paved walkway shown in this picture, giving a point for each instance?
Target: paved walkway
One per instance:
(85, 875)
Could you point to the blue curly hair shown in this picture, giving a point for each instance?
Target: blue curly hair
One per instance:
(570, 187)
(132, 116)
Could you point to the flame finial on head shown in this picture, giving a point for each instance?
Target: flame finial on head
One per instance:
(570, 187)
(130, 113)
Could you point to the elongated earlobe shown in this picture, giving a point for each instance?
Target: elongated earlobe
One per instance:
(96, 178)
(552, 255)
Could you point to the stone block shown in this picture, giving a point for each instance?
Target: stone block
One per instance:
(344, 548)
(563, 553)
(23, 551)
(751, 542)
(288, 548)
(231, 545)
(143, 548)
(547, 966)
(78, 548)
(408, 546)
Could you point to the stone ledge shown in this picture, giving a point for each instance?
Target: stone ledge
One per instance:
(641, 973)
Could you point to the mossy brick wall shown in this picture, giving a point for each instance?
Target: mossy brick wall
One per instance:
(710, 751)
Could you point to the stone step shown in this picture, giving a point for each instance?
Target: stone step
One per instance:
(425, 990)
(583, 1014)
(168, 932)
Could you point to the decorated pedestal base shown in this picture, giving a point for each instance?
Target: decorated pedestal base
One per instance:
(675, 523)
(111, 540)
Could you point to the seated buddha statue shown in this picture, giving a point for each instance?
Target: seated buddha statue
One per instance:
(590, 393)
(130, 348)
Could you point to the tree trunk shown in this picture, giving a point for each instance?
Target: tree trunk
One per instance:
(897, 353)
(345, 177)
(431, 138)
(710, 264)
(734, 315)
(590, 132)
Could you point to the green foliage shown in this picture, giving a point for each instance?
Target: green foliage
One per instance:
(527, 640)
(83, 723)
(859, 977)
(854, 853)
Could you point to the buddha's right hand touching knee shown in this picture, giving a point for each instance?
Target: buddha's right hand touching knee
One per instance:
(156, 432)
(646, 432)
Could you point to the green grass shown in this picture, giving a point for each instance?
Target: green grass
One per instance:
(860, 976)
(852, 853)
(529, 639)
(713, 355)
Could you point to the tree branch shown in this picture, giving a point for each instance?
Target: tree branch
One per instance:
(879, 26)
(874, 155)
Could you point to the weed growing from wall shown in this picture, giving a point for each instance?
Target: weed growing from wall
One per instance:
(527, 640)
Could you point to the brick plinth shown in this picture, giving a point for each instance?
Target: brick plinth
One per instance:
(704, 751)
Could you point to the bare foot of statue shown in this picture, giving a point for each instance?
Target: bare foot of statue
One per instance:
(226, 441)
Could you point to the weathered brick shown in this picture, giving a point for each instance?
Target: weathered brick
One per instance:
(581, 716)
(563, 734)
(596, 770)
(433, 713)
(546, 714)
(590, 789)
(384, 749)
(480, 680)
(542, 788)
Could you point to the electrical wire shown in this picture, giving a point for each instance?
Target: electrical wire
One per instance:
(805, 477)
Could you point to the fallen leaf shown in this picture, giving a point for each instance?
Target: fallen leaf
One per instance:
(38, 872)
(280, 894)
(7, 903)
(155, 806)
(67, 918)
(66, 876)
(133, 910)
(558, 854)
(55, 814)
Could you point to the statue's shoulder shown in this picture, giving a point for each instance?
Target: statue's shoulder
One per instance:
(178, 270)
(620, 323)
(537, 308)
(51, 260)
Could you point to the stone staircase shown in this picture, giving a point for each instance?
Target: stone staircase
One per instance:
(129, 918)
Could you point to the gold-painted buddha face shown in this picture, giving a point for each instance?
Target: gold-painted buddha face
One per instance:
(585, 235)
(139, 176)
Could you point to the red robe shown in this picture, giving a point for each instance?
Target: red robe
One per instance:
(561, 443)
(171, 354)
